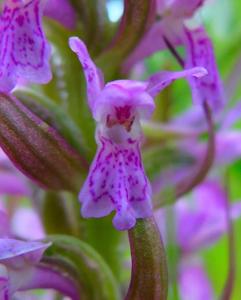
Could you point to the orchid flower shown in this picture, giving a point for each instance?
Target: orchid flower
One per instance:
(24, 271)
(19, 259)
(201, 227)
(194, 283)
(116, 179)
(24, 223)
(170, 31)
(197, 228)
(24, 50)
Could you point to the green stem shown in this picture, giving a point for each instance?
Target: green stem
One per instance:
(149, 279)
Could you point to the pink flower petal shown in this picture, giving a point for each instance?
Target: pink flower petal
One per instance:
(200, 52)
(159, 81)
(194, 283)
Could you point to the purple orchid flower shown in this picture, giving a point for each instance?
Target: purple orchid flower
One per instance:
(193, 282)
(19, 258)
(169, 32)
(24, 223)
(198, 226)
(23, 270)
(24, 50)
(116, 179)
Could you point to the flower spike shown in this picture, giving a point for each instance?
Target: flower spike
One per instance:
(24, 50)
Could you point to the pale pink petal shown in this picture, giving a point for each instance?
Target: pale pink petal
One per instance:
(194, 283)
(13, 184)
(26, 223)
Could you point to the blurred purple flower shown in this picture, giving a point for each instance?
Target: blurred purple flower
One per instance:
(23, 222)
(203, 219)
(26, 223)
(194, 283)
(61, 11)
(116, 179)
(169, 32)
(24, 271)
(12, 182)
(24, 50)
(19, 258)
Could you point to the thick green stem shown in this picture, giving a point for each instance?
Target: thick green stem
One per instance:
(149, 279)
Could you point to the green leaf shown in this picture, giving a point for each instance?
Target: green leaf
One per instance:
(94, 276)
(37, 149)
(68, 85)
(61, 213)
(55, 116)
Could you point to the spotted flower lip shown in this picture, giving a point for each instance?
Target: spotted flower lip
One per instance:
(116, 179)
(24, 50)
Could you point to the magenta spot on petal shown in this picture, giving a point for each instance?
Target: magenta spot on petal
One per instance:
(20, 20)
(30, 41)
